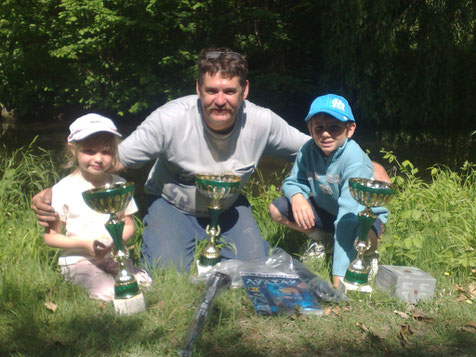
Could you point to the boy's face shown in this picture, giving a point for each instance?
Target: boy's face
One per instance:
(329, 133)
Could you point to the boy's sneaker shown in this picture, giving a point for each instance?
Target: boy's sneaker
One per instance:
(315, 250)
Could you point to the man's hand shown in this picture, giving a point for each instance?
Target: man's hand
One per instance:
(302, 211)
(41, 204)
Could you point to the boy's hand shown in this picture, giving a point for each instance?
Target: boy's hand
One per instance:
(41, 204)
(302, 211)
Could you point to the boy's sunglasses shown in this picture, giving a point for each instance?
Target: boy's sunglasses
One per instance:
(333, 129)
(214, 54)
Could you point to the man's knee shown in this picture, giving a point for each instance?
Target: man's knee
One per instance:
(379, 172)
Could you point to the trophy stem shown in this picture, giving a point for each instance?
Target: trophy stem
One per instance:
(214, 211)
(366, 220)
(210, 255)
(115, 229)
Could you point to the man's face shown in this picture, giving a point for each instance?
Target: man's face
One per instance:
(220, 99)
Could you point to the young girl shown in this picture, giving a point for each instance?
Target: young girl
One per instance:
(86, 245)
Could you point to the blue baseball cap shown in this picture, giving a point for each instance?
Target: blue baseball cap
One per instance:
(332, 104)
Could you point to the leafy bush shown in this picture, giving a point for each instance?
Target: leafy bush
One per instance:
(400, 63)
(432, 224)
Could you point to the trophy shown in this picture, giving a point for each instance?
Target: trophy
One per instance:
(216, 188)
(111, 199)
(370, 193)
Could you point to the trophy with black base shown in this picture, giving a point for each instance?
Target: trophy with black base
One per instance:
(111, 199)
(216, 188)
(369, 193)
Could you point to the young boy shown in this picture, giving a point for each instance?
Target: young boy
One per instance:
(317, 198)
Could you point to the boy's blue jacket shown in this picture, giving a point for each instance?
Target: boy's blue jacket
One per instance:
(326, 179)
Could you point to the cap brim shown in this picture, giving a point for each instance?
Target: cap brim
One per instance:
(85, 133)
(336, 115)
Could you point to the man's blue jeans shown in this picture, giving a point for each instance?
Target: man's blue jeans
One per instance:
(169, 235)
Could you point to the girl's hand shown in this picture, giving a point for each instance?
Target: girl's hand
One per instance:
(98, 249)
(302, 211)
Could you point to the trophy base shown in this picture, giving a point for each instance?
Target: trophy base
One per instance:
(356, 277)
(126, 290)
(365, 288)
(203, 269)
(204, 261)
(129, 306)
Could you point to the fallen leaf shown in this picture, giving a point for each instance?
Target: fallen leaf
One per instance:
(404, 330)
(303, 317)
(336, 310)
(158, 305)
(469, 327)
(347, 308)
(471, 324)
(375, 335)
(327, 311)
(472, 290)
(362, 326)
(402, 314)
(50, 306)
(420, 317)
(101, 305)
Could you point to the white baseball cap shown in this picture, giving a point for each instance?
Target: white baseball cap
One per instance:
(90, 124)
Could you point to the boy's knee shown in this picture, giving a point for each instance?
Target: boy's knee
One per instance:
(275, 214)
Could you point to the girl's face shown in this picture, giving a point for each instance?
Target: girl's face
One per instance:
(94, 162)
(329, 133)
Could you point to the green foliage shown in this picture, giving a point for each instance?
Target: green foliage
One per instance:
(400, 63)
(432, 224)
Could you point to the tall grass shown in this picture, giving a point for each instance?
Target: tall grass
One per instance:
(431, 226)
(23, 173)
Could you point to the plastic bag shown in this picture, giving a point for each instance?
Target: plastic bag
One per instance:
(278, 262)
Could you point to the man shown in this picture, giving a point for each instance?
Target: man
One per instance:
(215, 131)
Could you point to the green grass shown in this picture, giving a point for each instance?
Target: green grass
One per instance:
(431, 226)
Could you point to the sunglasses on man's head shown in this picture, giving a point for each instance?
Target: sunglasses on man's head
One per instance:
(214, 54)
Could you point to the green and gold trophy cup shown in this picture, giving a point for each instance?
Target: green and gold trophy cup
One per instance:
(216, 188)
(111, 199)
(369, 193)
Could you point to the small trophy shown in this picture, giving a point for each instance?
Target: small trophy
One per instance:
(370, 193)
(216, 188)
(111, 199)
